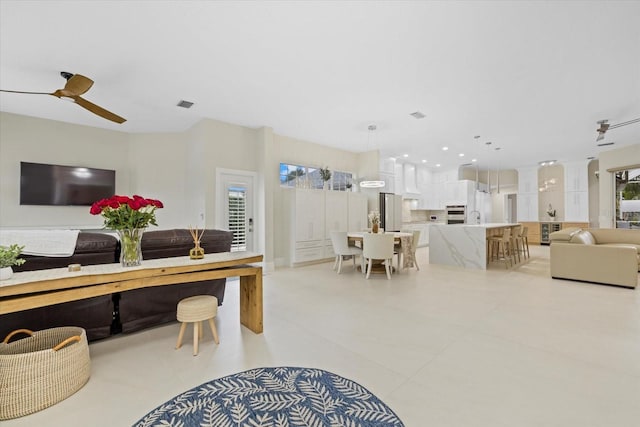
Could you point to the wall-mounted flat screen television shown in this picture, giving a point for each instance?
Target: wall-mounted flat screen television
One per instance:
(42, 184)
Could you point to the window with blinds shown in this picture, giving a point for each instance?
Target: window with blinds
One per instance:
(237, 211)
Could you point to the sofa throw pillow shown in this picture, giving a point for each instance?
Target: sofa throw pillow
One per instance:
(583, 237)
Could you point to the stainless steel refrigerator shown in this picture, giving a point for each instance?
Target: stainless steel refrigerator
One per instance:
(390, 211)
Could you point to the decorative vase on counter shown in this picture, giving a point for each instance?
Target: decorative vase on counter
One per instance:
(6, 273)
(130, 246)
(375, 227)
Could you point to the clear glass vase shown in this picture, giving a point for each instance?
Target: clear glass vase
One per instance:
(130, 246)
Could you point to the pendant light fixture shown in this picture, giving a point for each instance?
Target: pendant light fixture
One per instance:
(371, 183)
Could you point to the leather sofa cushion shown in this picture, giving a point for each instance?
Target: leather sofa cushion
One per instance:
(95, 242)
(178, 242)
(583, 237)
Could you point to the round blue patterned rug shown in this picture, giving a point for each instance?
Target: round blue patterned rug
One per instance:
(275, 397)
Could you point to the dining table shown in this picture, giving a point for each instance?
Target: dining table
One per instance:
(402, 244)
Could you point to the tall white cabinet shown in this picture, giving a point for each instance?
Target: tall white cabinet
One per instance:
(527, 201)
(576, 191)
(312, 215)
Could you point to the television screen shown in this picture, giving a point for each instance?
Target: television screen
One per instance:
(42, 184)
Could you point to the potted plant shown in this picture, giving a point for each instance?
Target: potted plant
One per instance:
(551, 212)
(8, 258)
(325, 174)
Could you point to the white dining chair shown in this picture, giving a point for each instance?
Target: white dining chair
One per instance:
(379, 247)
(342, 250)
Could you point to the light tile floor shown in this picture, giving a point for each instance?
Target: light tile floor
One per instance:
(442, 346)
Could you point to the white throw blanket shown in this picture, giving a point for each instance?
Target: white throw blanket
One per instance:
(53, 243)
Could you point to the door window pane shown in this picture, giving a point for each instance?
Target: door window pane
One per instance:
(238, 218)
(627, 198)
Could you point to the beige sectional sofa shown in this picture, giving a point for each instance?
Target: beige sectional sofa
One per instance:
(600, 255)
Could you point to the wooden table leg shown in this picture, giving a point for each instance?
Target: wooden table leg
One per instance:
(251, 301)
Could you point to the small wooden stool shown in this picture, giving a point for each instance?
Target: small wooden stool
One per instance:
(194, 310)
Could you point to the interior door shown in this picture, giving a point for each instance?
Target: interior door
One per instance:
(238, 215)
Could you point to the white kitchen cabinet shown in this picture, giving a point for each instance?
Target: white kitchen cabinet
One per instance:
(357, 212)
(311, 216)
(576, 191)
(576, 176)
(459, 193)
(576, 206)
(527, 205)
(528, 181)
(335, 212)
(398, 182)
(305, 217)
(389, 182)
(410, 183)
(432, 197)
(387, 165)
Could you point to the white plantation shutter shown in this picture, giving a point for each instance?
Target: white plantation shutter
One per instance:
(237, 209)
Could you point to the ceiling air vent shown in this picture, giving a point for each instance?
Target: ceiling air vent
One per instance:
(185, 104)
(604, 144)
(418, 115)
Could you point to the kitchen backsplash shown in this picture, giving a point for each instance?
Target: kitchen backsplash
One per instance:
(421, 215)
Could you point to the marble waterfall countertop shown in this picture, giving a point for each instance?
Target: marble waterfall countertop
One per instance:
(463, 245)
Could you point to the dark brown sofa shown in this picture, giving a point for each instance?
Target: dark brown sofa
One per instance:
(120, 312)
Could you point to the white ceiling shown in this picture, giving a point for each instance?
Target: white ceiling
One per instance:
(531, 77)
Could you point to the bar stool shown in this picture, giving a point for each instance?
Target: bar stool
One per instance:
(522, 239)
(503, 247)
(195, 310)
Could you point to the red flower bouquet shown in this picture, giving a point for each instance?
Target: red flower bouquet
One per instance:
(129, 216)
(124, 212)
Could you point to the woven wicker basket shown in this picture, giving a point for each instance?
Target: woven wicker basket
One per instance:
(42, 369)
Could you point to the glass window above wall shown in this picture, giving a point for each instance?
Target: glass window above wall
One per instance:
(299, 176)
(627, 183)
(292, 175)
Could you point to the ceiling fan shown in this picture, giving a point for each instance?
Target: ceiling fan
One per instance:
(605, 126)
(77, 85)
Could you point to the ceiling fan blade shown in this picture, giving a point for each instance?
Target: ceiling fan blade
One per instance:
(77, 85)
(29, 93)
(600, 136)
(98, 110)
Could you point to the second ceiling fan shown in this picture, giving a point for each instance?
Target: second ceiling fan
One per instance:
(77, 85)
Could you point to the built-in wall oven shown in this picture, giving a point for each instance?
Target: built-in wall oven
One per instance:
(456, 214)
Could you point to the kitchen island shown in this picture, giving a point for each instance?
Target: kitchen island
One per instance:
(463, 245)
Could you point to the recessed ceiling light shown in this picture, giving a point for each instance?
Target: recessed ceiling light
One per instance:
(185, 104)
(392, 158)
(418, 115)
(474, 160)
(437, 165)
(461, 155)
(546, 162)
(405, 155)
(424, 161)
(445, 148)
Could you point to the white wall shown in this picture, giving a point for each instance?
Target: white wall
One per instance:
(28, 139)
(176, 168)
